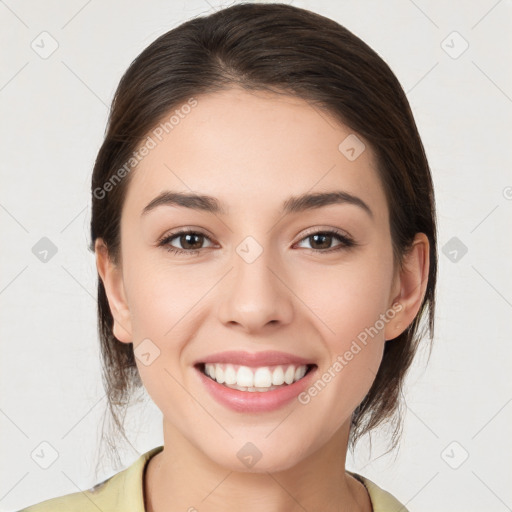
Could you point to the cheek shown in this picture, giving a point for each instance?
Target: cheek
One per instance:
(161, 311)
(350, 302)
(353, 337)
(348, 299)
(158, 298)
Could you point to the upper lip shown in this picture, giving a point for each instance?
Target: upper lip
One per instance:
(268, 358)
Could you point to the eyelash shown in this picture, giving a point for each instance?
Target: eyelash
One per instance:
(346, 242)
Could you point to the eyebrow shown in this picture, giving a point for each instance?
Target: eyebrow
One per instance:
(294, 204)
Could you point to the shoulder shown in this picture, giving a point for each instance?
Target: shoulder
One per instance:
(123, 491)
(69, 503)
(382, 501)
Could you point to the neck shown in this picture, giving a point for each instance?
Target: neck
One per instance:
(181, 477)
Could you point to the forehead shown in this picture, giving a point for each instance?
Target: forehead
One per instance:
(253, 150)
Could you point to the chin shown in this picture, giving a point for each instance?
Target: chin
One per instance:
(260, 456)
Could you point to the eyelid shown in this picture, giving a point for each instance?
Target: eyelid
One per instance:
(346, 240)
(309, 231)
(184, 230)
(325, 229)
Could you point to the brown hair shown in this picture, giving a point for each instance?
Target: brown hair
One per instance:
(282, 49)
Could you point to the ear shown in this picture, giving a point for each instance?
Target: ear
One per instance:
(409, 286)
(112, 279)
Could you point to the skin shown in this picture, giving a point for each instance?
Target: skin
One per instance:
(252, 151)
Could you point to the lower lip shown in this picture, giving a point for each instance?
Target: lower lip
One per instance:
(248, 401)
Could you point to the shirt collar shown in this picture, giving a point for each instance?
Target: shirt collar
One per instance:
(126, 488)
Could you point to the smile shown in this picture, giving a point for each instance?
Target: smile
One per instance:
(254, 389)
(264, 378)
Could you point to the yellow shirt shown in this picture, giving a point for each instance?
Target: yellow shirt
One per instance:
(124, 492)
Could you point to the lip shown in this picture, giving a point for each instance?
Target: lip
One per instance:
(267, 358)
(255, 402)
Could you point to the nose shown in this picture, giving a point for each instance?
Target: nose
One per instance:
(254, 295)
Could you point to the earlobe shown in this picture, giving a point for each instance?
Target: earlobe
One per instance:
(112, 279)
(412, 282)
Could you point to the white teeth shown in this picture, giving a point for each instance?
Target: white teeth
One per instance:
(278, 376)
(229, 375)
(263, 378)
(300, 372)
(289, 376)
(244, 377)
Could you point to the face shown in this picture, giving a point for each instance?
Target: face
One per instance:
(254, 276)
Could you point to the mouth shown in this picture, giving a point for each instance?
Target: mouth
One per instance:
(255, 379)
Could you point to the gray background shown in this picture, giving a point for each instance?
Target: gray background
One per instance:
(454, 450)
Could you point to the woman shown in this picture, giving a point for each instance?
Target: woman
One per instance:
(264, 227)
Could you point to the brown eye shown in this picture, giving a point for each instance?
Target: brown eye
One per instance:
(191, 242)
(321, 241)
